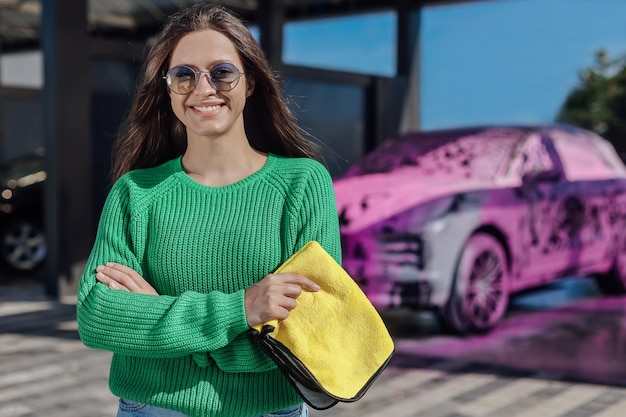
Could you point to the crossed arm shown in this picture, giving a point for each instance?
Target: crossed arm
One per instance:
(271, 298)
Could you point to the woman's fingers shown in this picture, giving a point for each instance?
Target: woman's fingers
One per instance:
(118, 276)
(302, 282)
(275, 296)
(109, 282)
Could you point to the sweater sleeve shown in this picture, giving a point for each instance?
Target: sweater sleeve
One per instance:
(315, 218)
(145, 325)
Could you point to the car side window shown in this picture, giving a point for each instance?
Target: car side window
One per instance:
(582, 156)
(535, 157)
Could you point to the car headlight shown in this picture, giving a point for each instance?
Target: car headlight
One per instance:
(432, 212)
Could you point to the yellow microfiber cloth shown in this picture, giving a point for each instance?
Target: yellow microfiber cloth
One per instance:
(334, 344)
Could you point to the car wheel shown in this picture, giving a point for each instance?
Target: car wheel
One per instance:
(23, 244)
(479, 295)
(614, 282)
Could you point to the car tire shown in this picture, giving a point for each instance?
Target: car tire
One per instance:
(614, 281)
(23, 245)
(479, 295)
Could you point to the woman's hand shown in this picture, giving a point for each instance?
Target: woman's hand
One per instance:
(275, 296)
(120, 277)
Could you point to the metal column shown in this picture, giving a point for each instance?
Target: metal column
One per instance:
(271, 20)
(67, 120)
(409, 65)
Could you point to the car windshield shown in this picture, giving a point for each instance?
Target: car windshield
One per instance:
(448, 155)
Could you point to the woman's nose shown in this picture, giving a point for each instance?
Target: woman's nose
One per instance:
(204, 84)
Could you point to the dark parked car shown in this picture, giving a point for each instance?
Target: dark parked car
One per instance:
(22, 239)
(458, 220)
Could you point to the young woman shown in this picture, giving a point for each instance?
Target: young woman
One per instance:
(215, 187)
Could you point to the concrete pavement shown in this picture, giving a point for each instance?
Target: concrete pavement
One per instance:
(46, 371)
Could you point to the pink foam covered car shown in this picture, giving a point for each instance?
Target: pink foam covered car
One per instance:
(458, 220)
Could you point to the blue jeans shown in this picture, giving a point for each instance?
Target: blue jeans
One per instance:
(128, 408)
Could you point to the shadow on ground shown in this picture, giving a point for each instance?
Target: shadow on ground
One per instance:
(566, 331)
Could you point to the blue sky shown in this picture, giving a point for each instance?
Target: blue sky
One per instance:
(490, 61)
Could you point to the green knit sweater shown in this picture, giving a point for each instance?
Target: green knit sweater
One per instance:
(200, 247)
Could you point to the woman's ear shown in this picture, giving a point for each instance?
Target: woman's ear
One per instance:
(250, 83)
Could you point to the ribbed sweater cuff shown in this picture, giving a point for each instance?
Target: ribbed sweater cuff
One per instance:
(239, 325)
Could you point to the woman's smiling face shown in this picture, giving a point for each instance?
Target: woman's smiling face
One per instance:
(205, 111)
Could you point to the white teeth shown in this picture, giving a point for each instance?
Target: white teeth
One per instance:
(206, 108)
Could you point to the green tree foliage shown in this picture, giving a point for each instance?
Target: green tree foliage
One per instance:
(599, 102)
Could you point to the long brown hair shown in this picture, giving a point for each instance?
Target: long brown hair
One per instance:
(151, 134)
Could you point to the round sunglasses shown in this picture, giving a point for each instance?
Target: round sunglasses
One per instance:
(222, 77)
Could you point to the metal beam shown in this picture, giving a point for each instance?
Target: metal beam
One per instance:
(326, 75)
(147, 24)
(326, 9)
